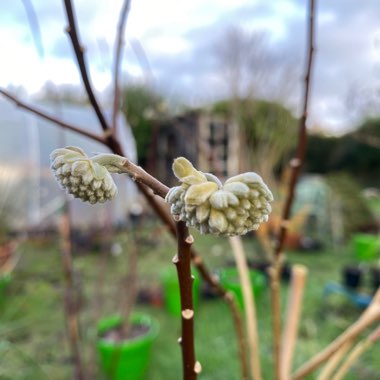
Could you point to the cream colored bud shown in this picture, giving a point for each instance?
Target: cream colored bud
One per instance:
(88, 179)
(203, 202)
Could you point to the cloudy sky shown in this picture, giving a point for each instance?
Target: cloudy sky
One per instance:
(179, 40)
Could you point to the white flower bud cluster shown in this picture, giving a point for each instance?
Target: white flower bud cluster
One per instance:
(235, 208)
(82, 176)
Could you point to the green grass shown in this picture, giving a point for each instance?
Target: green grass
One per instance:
(32, 326)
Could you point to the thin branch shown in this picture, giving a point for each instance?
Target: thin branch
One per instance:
(275, 281)
(297, 161)
(369, 316)
(53, 119)
(299, 273)
(79, 54)
(70, 303)
(34, 26)
(249, 306)
(182, 261)
(295, 165)
(334, 361)
(139, 175)
(117, 61)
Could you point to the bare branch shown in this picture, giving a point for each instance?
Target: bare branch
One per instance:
(182, 261)
(53, 119)
(117, 61)
(297, 161)
(295, 165)
(79, 54)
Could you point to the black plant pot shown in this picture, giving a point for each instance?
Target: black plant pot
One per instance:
(352, 277)
(375, 279)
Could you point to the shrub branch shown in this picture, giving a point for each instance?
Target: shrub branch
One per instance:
(182, 261)
(295, 165)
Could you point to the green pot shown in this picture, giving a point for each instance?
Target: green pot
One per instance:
(127, 360)
(172, 299)
(229, 279)
(366, 247)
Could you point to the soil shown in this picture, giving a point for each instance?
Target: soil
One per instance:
(117, 334)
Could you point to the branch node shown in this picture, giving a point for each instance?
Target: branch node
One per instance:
(197, 368)
(229, 296)
(197, 260)
(189, 239)
(179, 340)
(295, 163)
(187, 314)
(67, 29)
(285, 223)
(175, 259)
(177, 218)
(107, 133)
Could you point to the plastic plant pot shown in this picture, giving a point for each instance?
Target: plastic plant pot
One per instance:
(129, 359)
(352, 277)
(229, 278)
(172, 299)
(366, 247)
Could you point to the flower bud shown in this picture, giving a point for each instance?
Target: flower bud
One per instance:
(203, 202)
(81, 176)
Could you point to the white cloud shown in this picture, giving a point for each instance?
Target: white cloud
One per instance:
(178, 38)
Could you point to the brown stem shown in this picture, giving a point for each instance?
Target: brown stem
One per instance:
(117, 61)
(295, 165)
(138, 174)
(79, 55)
(182, 261)
(297, 161)
(70, 303)
(53, 119)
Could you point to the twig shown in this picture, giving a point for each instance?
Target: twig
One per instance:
(299, 273)
(333, 362)
(79, 54)
(53, 119)
(139, 175)
(369, 316)
(297, 161)
(117, 61)
(70, 302)
(356, 352)
(249, 306)
(182, 261)
(275, 281)
(295, 165)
